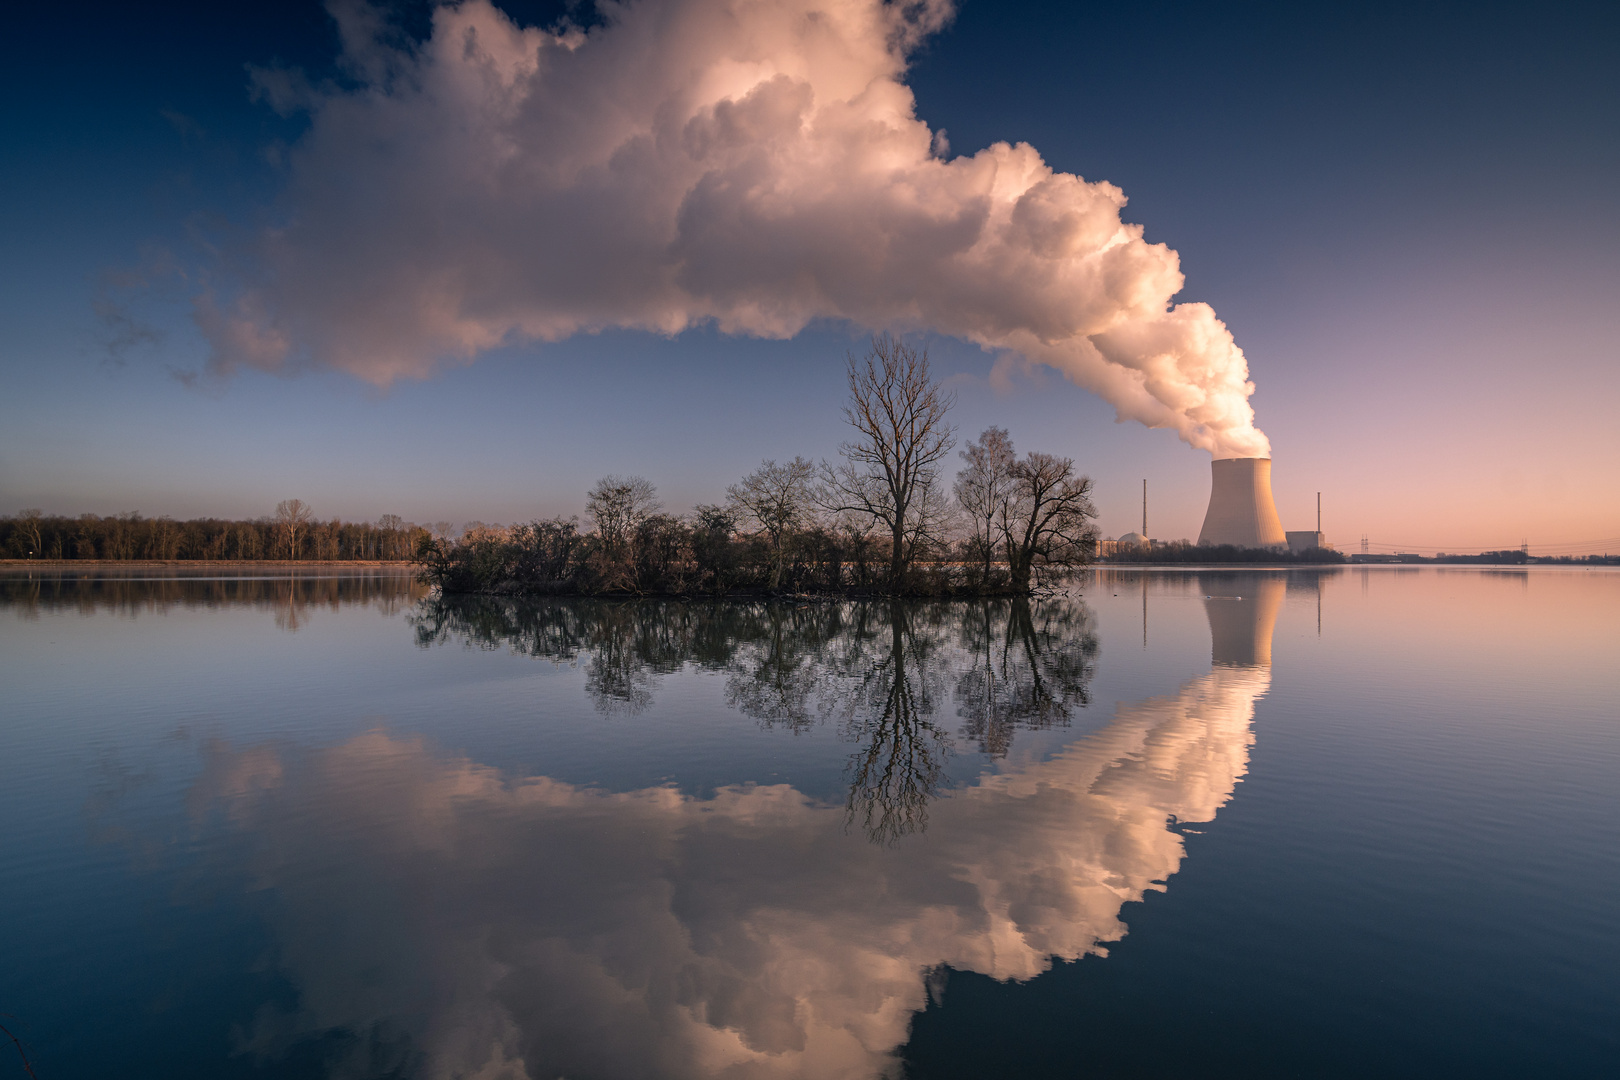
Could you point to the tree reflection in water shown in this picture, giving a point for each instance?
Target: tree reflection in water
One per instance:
(888, 713)
(881, 670)
(290, 594)
(1032, 665)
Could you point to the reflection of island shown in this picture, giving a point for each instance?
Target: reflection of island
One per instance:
(888, 711)
(880, 670)
(1031, 666)
(491, 927)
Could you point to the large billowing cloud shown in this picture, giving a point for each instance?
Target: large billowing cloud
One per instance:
(506, 930)
(754, 164)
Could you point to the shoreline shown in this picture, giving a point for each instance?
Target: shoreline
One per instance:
(1218, 565)
(210, 564)
(1397, 564)
(739, 595)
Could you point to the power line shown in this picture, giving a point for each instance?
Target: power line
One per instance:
(1576, 547)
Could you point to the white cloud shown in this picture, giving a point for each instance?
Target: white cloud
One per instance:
(752, 163)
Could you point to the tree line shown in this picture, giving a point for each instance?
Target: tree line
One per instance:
(883, 518)
(1176, 552)
(291, 533)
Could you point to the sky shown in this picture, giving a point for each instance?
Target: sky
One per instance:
(387, 261)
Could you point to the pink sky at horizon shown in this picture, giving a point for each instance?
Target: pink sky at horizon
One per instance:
(1414, 243)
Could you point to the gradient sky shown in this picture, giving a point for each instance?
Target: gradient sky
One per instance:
(1406, 214)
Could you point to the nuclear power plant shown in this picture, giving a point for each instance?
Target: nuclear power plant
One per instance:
(1241, 514)
(1241, 511)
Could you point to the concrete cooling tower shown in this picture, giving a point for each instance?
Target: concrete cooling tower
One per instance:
(1241, 510)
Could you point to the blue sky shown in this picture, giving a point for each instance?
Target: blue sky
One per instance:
(1406, 215)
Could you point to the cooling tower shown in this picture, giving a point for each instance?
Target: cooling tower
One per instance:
(1241, 510)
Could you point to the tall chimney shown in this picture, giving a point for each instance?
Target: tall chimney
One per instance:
(1241, 510)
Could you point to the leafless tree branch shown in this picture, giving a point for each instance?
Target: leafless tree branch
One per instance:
(889, 475)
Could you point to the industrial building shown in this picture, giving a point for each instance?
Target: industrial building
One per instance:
(1301, 541)
(1242, 513)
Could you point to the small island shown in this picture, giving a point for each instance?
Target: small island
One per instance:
(880, 521)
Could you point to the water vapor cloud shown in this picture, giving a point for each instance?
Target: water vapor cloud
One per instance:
(748, 164)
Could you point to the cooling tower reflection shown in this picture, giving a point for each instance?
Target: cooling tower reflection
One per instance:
(1242, 612)
(452, 921)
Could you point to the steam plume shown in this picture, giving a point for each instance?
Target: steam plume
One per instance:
(752, 163)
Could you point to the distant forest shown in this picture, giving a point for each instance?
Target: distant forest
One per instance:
(292, 533)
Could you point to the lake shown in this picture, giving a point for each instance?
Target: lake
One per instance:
(1344, 822)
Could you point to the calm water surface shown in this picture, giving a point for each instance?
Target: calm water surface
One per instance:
(1347, 823)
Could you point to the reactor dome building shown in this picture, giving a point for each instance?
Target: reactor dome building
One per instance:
(1241, 510)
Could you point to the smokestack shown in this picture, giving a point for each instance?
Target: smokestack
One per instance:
(1241, 510)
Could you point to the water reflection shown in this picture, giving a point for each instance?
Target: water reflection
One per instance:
(888, 709)
(291, 596)
(882, 671)
(1031, 665)
(1242, 614)
(452, 921)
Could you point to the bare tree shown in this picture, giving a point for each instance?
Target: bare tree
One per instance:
(28, 522)
(165, 538)
(324, 538)
(388, 547)
(890, 472)
(291, 517)
(249, 542)
(120, 543)
(984, 487)
(618, 506)
(712, 527)
(777, 499)
(483, 532)
(1047, 519)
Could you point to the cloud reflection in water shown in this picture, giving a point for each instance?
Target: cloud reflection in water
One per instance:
(464, 923)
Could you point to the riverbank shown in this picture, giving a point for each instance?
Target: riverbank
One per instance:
(205, 564)
(755, 596)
